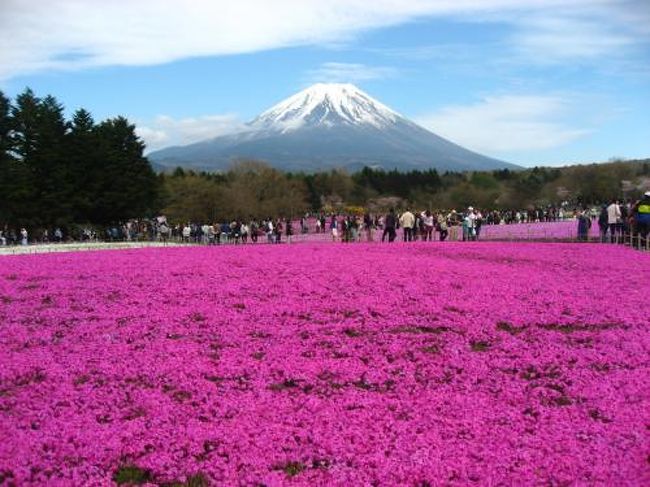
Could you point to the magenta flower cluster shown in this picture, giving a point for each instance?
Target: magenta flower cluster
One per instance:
(438, 364)
(560, 230)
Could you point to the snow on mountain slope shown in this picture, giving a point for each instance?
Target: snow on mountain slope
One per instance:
(326, 105)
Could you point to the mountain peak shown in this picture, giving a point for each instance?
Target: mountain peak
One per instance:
(329, 125)
(326, 105)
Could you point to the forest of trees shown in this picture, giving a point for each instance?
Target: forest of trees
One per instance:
(255, 189)
(55, 172)
(58, 172)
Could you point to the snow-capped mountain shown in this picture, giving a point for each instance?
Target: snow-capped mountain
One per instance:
(326, 105)
(328, 126)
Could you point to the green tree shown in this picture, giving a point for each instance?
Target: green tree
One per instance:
(54, 177)
(192, 197)
(22, 196)
(85, 164)
(254, 188)
(6, 163)
(128, 187)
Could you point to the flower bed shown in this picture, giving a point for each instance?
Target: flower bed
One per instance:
(419, 364)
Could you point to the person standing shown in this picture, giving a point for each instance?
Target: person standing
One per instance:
(23, 236)
(389, 226)
(465, 228)
(235, 230)
(269, 230)
(357, 227)
(602, 223)
(624, 222)
(584, 223)
(278, 231)
(452, 223)
(205, 234)
(418, 226)
(163, 232)
(334, 228)
(613, 220)
(470, 220)
(346, 226)
(253, 229)
(244, 232)
(442, 227)
(407, 221)
(289, 230)
(224, 234)
(478, 223)
(641, 215)
(186, 233)
(367, 225)
(427, 225)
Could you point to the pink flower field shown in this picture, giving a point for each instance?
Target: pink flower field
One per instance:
(409, 364)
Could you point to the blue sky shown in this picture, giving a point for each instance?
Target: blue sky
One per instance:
(531, 82)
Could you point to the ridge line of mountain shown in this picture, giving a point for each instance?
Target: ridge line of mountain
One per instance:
(329, 126)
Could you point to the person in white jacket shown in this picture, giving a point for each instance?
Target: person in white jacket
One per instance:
(407, 221)
(187, 231)
(429, 223)
(613, 220)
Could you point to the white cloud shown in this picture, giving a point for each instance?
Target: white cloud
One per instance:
(349, 73)
(166, 131)
(557, 39)
(154, 138)
(506, 123)
(72, 34)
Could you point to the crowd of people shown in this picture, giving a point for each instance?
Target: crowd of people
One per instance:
(614, 219)
(617, 219)
(21, 236)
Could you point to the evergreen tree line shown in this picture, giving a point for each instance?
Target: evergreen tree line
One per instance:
(58, 172)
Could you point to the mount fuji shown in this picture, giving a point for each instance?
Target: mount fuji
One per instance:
(328, 126)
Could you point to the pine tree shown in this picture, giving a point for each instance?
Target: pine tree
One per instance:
(6, 163)
(54, 176)
(85, 163)
(22, 196)
(55, 173)
(129, 186)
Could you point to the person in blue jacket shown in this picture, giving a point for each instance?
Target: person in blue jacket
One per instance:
(584, 223)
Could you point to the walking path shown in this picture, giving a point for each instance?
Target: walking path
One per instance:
(73, 247)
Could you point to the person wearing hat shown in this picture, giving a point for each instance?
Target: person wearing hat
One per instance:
(641, 215)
